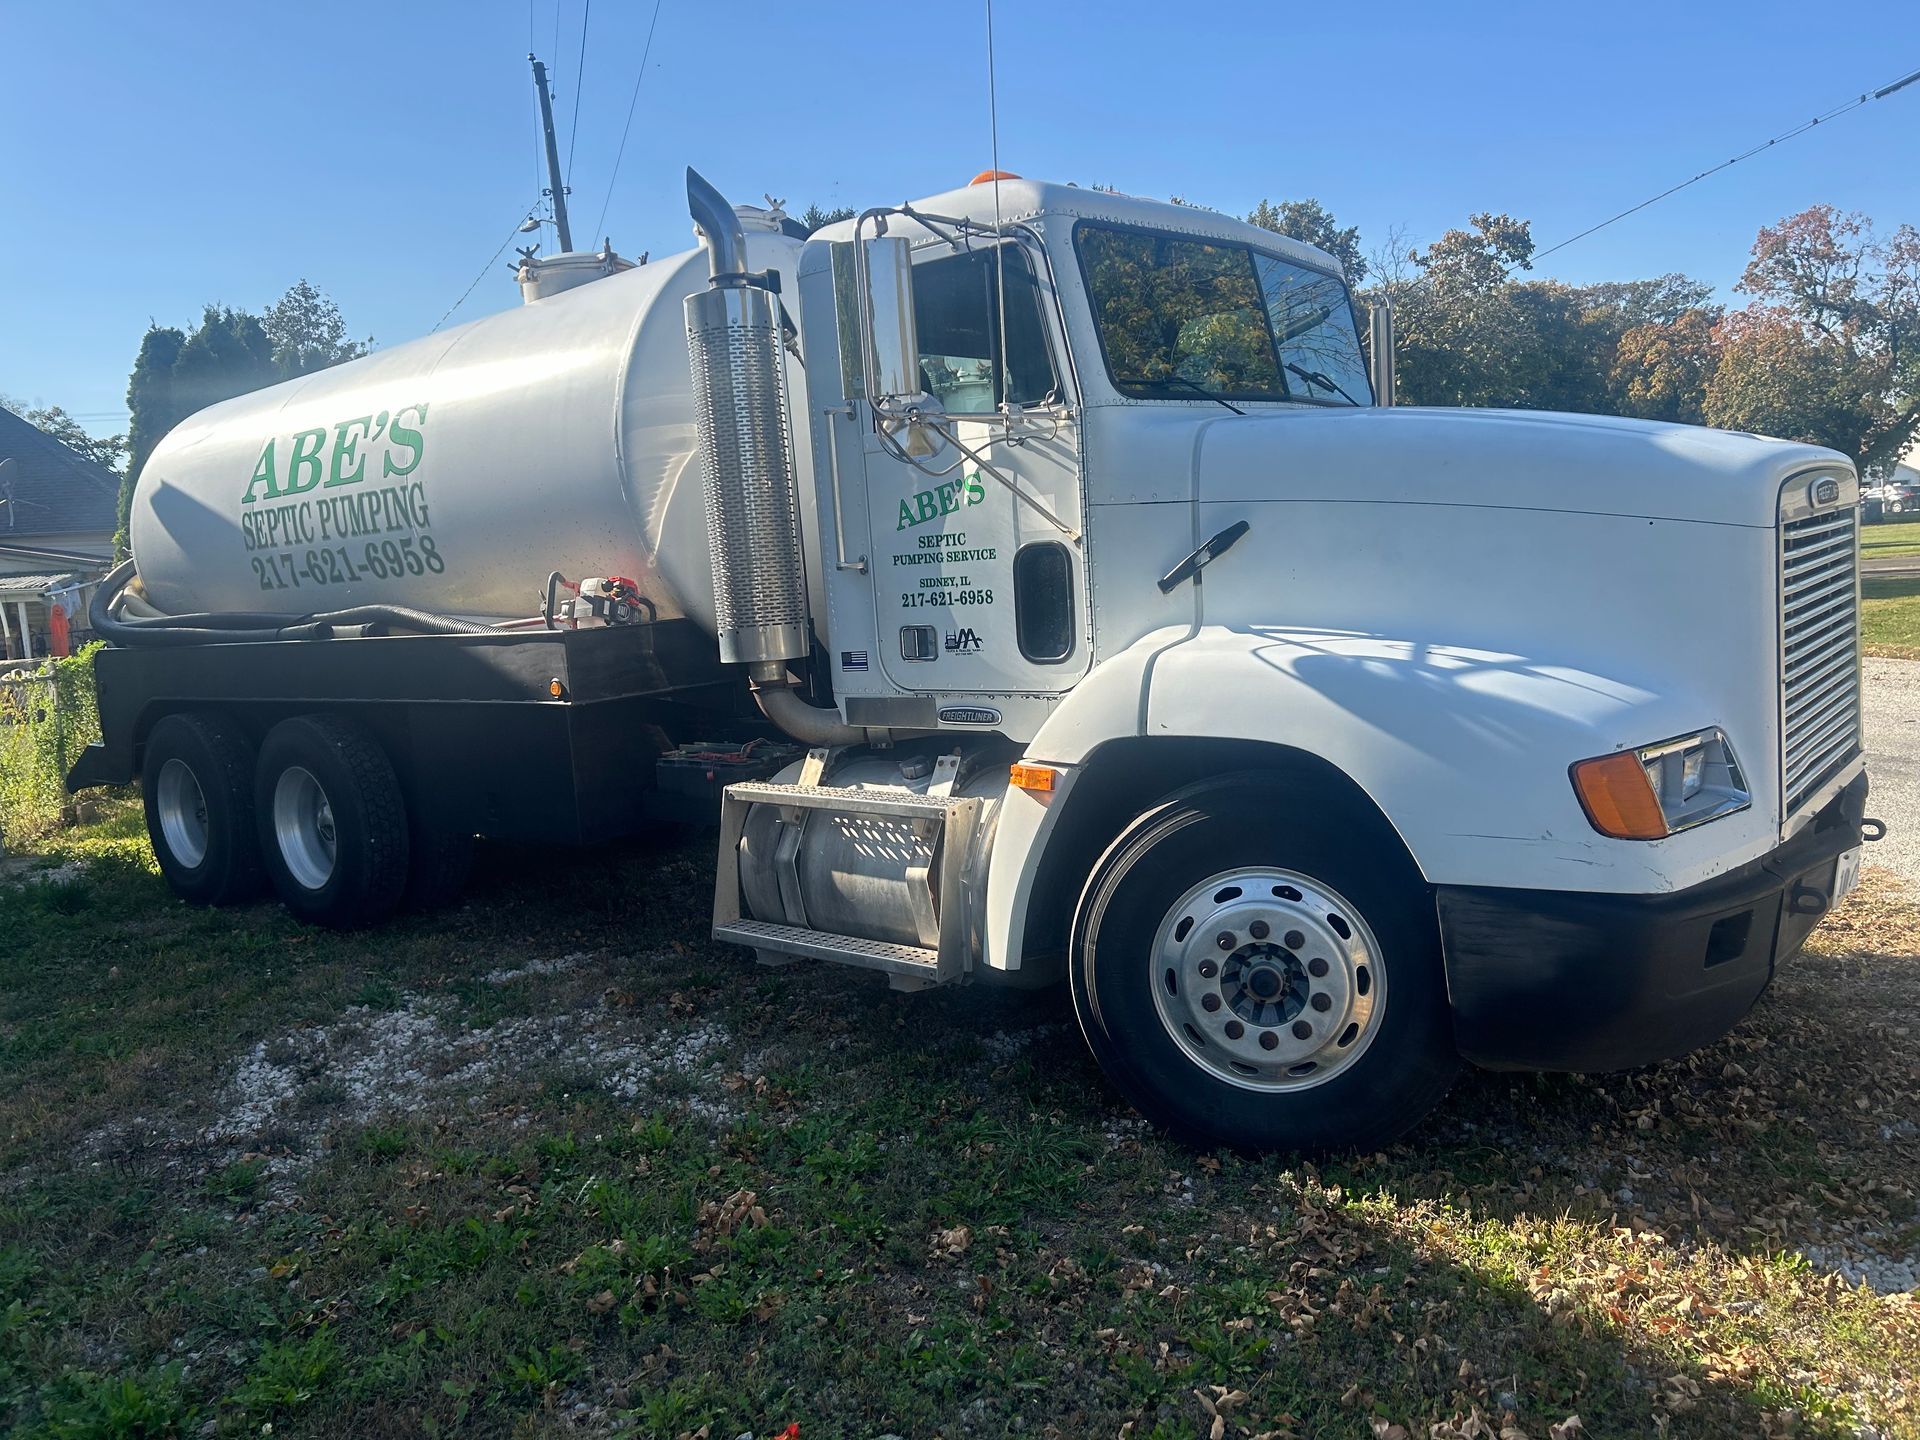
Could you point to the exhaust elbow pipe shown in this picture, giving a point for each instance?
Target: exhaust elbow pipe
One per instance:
(809, 724)
(726, 241)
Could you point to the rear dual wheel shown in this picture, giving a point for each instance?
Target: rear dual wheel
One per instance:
(332, 822)
(197, 785)
(1256, 964)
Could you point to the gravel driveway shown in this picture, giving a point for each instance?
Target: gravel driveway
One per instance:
(1892, 696)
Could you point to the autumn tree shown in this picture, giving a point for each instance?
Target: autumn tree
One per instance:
(1827, 350)
(1660, 370)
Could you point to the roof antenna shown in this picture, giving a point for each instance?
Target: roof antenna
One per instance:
(1000, 238)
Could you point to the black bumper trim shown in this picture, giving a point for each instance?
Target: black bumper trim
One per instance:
(1564, 980)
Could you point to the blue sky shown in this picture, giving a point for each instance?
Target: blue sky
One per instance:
(162, 156)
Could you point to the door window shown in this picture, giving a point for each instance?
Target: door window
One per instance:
(957, 310)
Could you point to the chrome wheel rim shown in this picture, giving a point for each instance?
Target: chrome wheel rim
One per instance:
(1268, 979)
(303, 827)
(183, 813)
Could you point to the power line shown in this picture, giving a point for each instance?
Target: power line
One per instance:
(526, 215)
(634, 100)
(579, 84)
(1798, 130)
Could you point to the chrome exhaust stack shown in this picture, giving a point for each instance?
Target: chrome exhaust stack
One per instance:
(746, 450)
(1380, 351)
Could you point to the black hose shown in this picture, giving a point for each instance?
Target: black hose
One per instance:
(214, 628)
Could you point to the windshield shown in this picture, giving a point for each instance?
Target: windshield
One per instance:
(1179, 316)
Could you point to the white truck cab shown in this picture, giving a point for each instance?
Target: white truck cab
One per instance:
(1319, 741)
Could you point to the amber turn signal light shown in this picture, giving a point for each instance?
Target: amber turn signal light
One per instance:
(1035, 779)
(1618, 798)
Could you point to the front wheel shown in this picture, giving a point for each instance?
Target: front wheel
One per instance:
(1256, 964)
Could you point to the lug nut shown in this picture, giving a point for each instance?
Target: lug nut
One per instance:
(1317, 968)
(1225, 940)
(1258, 929)
(1295, 939)
(1268, 1039)
(1208, 969)
(1302, 1030)
(1235, 1029)
(1322, 1002)
(1210, 1001)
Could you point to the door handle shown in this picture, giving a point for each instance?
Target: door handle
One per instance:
(1190, 568)
(833, 482)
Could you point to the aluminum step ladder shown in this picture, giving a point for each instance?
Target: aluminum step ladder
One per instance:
(947, 820)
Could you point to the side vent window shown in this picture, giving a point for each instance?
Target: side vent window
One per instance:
(1043, 602)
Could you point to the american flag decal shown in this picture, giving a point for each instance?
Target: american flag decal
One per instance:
(853, 659)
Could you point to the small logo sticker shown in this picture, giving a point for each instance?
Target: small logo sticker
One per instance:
(969, 715)
(965, 642)
(1826, 491)
(853, 659)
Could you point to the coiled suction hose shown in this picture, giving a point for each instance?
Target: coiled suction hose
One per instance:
(232, 627)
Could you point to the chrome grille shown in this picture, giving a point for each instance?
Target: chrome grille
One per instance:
(1819, 650)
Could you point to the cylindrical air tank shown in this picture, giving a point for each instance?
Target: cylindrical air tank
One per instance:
(454, 473)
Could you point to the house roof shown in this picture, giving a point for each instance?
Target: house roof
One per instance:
(49, 489)
(15, 586)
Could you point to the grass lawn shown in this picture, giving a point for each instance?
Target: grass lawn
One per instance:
(1890, 616)
(552, 1163)
(1890, 537)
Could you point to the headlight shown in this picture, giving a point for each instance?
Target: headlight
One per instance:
(1660, 790)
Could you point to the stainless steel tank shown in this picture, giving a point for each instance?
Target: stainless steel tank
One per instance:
(453, 473)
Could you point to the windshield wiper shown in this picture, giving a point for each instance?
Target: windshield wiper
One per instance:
(1200, 390)
(1324, 381)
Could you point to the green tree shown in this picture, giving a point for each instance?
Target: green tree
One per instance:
(1309, 222)
(231, 352)
(307, 332)
(109, 451)
(816, 219)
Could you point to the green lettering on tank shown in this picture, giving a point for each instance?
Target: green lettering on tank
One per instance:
(346, 452)
(303, 461)
(406, 437)
(263, 471)
(344, 461)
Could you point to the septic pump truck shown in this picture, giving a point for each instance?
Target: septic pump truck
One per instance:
(1034, 582)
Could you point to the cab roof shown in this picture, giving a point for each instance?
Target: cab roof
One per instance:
(1023, 199)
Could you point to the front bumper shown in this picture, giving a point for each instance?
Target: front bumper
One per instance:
(1551, 980)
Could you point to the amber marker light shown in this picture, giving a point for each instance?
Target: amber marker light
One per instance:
(1618, 799)
(1034, 779)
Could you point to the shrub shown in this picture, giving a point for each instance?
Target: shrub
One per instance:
(45, 722)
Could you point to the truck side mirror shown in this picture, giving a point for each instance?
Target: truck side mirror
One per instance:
(1380, 346)
(891, 343)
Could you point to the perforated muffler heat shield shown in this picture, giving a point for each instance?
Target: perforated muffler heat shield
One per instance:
(746, 470)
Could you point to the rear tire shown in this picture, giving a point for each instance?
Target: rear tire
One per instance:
(332, 822)
(197, 782)
(1256, 964)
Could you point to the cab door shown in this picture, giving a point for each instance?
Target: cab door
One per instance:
(978, 574)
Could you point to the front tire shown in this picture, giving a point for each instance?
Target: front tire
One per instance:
(332, 822)
(196, 779)
(1256, 964)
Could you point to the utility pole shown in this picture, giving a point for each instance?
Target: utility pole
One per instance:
(558, 190)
